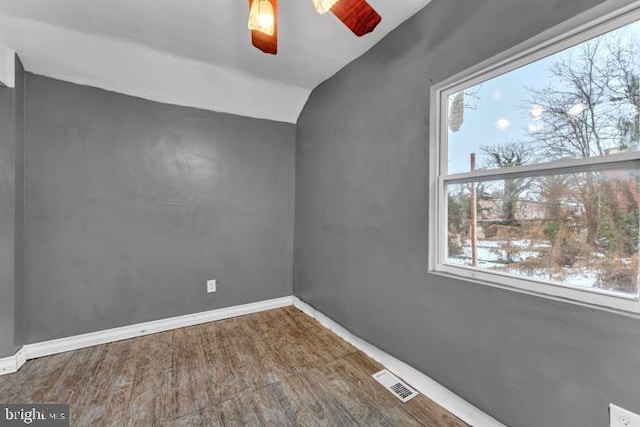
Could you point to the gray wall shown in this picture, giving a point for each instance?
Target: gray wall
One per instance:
(20, 130)
(7, 217)
(11, 213)
(361, 234)
(132, 205)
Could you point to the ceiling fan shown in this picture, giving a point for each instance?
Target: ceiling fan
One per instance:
(357, 15)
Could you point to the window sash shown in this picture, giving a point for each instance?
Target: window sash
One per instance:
(474, 272)
(580, 34)
(600, 20)
(629, 160)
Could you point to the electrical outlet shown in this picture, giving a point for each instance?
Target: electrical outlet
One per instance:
(619, 417)
(211, 286)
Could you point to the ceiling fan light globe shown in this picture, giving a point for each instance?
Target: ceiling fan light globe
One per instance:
(262, 17)
(324, 6)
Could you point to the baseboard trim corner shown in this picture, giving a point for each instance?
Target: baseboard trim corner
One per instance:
(421, 382)
(11, 364)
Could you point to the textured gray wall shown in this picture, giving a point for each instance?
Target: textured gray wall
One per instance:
(20, 131)
(7, 219)
(132, 205)
(361, 234)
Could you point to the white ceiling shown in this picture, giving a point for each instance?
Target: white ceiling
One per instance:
(190, 52)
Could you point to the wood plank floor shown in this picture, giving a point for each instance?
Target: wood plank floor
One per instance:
(275, 368)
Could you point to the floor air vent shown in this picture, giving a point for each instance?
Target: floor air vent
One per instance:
(395, 385)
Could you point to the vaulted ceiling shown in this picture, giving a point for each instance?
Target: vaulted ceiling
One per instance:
(190, 52)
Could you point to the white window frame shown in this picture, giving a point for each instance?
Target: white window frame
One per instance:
(595, 22)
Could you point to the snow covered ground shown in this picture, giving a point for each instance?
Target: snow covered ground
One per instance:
(493, 256)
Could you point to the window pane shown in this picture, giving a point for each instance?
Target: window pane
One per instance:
(577, 229)
(580, 102)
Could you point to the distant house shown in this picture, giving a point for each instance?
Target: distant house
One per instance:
(491, 210)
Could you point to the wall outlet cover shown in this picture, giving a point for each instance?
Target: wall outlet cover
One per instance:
(211, 286)
(619, 417)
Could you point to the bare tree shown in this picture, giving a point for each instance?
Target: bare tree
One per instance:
(582, 112)
(578, 119)
(625, 90)
(508, 155)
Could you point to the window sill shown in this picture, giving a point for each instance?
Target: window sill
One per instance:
(625, 305)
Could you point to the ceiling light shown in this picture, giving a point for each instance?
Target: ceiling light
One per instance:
(537, 111)
(262, 17)
(456, 112)
(576, 109)
(323, 6)
(503, 124)
(535, 128)
(357, 15)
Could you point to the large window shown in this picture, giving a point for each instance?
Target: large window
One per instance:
(536, 169)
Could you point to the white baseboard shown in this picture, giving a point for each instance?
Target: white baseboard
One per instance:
(31, 351)
(425, 385)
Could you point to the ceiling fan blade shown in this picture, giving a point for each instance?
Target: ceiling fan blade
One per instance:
(358, 15)
(265, 42)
